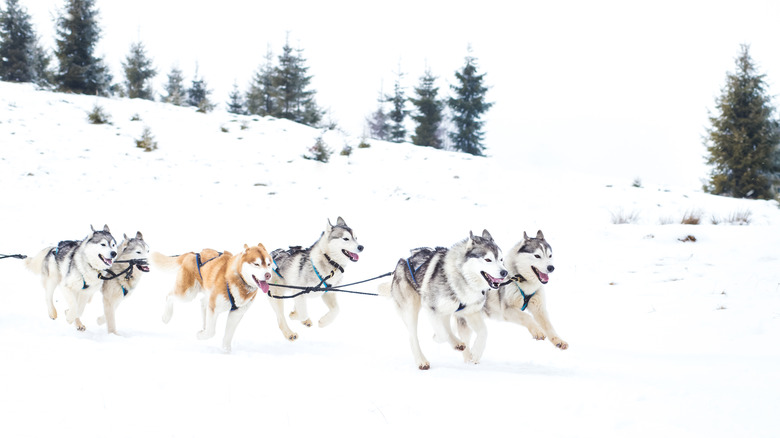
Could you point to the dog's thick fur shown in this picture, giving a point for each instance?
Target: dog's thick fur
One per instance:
(229, 283)
(123, 277)
(529, 263)
(77, 268)
(335, 248)
(447, 282)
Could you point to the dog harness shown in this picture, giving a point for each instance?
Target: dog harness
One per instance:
(276, 269)
(199, 264)
(230, 297)
(332, 273)
(526, 298)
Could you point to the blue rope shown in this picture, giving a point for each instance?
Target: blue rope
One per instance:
(322, 280)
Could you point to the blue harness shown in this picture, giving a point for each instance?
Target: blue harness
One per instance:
(526, 298)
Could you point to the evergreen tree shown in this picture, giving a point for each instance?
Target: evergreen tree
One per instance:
(398, 112)
(198, 95)
(429, 113)
(236, 103)
(295, 101)
(138, 73)
(378, 125)
(21, 57)
(260, 99)
(467, 107)
(744, 138)
(177, 95)
(77, 34)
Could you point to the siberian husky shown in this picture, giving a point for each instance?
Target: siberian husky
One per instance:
(530, 263)
(77, 267)
(321, 264)
(121, 279)
(447, 282)
(229, 283)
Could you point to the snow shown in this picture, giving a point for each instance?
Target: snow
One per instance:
(667, 338)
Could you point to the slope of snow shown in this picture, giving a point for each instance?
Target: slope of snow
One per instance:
(666, 337)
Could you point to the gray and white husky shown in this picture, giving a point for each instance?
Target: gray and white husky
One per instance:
(122, 278)
(522, 299)
(77, 267)
(447, 282)
(321, 264)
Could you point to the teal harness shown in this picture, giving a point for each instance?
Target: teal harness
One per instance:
(526, 298)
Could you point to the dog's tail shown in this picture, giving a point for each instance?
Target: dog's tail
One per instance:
(164, 262)
(384, 289)
(35, 264)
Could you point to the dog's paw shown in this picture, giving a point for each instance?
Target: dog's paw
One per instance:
(53, 314)
(203, 334)
(101, 320)
(227, 349)
(460, 346)
(560, 343)
(537, 333)
(292, 336)
(307, 323)
(424, 366)
(79, 326)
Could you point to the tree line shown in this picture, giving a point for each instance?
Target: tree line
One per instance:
(279, 88)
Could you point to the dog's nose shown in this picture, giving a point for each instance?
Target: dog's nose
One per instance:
(504, 273)
(267, 276)
(360, 248)
(113, 254)
(550, 268)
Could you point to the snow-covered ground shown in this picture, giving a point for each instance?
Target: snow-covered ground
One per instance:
(667, 338)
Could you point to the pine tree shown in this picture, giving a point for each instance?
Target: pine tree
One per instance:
(294, 99)
(175, 88)
(21, 57)
(198, 95)
(744, 138)
(77, 34)
(398, 112)
(428, 114)
(236, 103)
(378, 125)
(467, 107)
(138, 73)
(260, 99)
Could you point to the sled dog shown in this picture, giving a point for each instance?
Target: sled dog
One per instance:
(229, 283)
(77, 267)
(122, 278)
(321, 264)
(447, 282)
(522, 299)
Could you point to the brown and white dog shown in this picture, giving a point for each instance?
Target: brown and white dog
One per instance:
(229, 283)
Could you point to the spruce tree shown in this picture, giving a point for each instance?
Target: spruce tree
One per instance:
(176, 94)
(467, 108)
(138, 73)
(398, 113)
(744, 138)
(261, 97)
(291, 87)
(77, 34)
(21, 57)
(235, 103)
(378, 125)
(198, 95)
(428, 114)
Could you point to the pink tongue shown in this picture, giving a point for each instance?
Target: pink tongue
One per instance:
(544, 277)
(355, 257)
(264, 287)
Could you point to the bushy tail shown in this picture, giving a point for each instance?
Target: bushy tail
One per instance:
(164, 262)
(384, 289)
(35, 264)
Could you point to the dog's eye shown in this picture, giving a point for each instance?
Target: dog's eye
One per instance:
(489, 260)
(346, 238)
(537, 256)
(102, 244)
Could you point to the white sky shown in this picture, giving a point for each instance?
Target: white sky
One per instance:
(629, 81)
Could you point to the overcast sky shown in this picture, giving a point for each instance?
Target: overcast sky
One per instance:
(627, 80)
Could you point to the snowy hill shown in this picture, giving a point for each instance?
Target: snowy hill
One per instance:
(667, 337)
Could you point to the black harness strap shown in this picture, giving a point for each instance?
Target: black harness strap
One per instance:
(127, 272)
(199, 264)
(230, 297)
(12, 256)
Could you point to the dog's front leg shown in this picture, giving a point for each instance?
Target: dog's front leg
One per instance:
(109, 312)
(300, 310)
(476, 322)
(233, 318)
(539, 311)
(209, 325)
(278, 306)
(518, 316)
(443, 331)
(333, 308)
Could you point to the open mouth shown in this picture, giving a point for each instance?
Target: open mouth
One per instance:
(105, 260)
(543, 277)
(143, 267)
(263, 285)
(351, 255)
(493, 282)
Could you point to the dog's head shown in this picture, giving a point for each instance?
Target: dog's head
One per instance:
(532, 258)
(256, 266)
(342, 243)
(100, 248)
(485, 257)
(135, 248)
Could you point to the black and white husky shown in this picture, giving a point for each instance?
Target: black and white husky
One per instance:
(123, 277)
(78, 268)
(447, 282)
(522, 299)
(321, 264)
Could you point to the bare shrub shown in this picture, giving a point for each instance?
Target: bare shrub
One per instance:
(621, 217)
(691, 217)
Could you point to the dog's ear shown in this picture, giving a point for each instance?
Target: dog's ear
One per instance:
(486, 235)
(539, 235)
(105, 228)
(525, 236)
(125, 236)
(92, 228)
(341, 222)
(246, 247)
(139, 236)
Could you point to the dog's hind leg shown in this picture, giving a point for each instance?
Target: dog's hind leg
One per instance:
(333, 309)
(233, 318)
(443, 331)
(278, 306)
(74, 312)
(50, 286)
(168, 312)
(109, 313)
(410, 313)
(300, 311)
